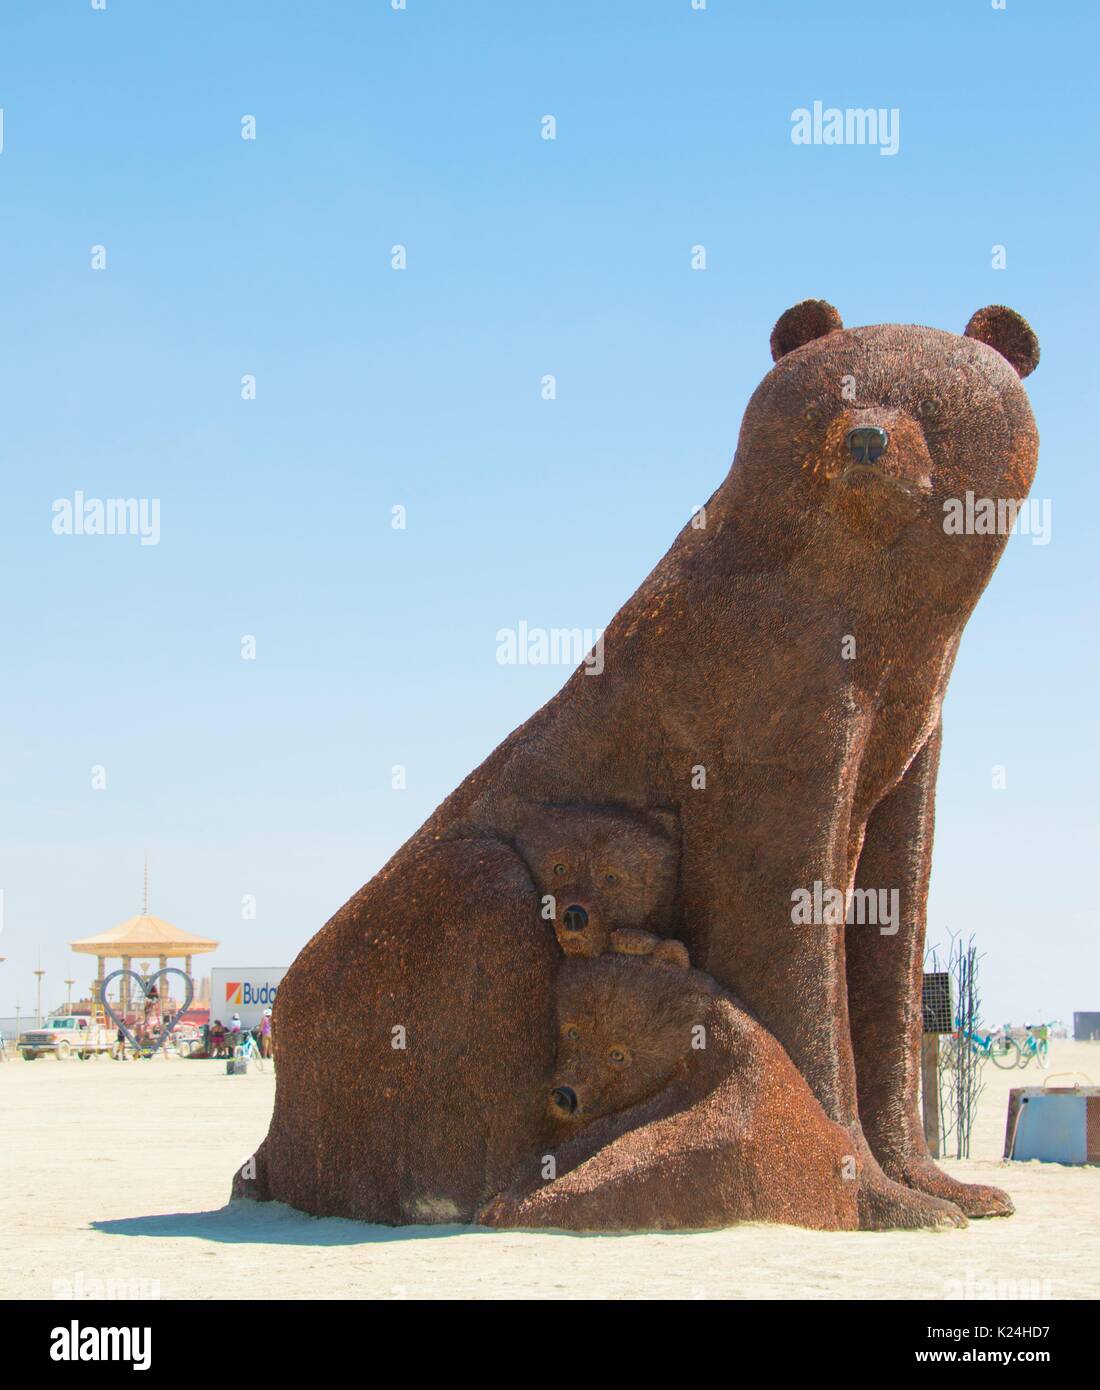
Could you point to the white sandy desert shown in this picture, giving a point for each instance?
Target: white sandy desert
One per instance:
(114, 1179)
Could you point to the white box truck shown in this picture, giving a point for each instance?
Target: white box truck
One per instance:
(247, 991)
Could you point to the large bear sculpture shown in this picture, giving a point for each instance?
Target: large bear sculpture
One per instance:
(774, 687)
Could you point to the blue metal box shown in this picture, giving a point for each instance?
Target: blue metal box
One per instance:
(1055, 1125)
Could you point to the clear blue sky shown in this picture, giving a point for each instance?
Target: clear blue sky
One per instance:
(374, 388)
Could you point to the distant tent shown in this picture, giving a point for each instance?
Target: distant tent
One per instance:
(1086, 1027)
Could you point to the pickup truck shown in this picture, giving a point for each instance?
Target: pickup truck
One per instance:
(65, 1035)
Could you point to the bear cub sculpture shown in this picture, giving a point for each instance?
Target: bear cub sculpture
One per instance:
(672, 1109)
(602, 872)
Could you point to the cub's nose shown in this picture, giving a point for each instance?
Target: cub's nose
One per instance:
(574, 918)
(564, 1099)
(866, 443)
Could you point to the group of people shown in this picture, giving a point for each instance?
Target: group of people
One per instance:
(220, 1041)
(147, 1029)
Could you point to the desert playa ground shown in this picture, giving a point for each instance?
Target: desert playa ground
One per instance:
(114, 1179)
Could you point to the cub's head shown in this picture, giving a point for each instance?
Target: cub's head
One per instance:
(625, 1027)
(600, 868)
(870, 430)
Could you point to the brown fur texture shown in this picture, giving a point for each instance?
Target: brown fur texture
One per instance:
(778, 681)
(598, 869)
(412, 1071)
(674, 1110)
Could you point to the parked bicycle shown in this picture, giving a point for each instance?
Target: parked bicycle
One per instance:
(249, 1050)
(1036, 1044)
(997, 1047)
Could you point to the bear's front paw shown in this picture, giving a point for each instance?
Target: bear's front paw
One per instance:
(632, 941)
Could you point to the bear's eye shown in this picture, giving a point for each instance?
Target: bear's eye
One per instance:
(572, 1034)
(619, 1056)
(930, 406)
(611, 878)
(559, 868)
(813, 414)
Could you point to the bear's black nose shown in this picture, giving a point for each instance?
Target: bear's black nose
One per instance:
(574, 918)
(564, 1098)
(866, 443)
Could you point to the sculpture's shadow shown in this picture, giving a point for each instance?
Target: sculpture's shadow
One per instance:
(271, 1223)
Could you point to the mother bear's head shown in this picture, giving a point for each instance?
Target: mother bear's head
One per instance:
(869, 431)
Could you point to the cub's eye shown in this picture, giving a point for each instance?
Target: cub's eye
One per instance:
(611, 878)
(618, 1056)
(572, 1034)
(559, 868)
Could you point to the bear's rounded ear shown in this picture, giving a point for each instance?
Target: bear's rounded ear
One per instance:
(672, 953)
(811, 319)
(1009, 333)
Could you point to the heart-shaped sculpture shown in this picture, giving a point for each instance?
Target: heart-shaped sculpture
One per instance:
(144, 984)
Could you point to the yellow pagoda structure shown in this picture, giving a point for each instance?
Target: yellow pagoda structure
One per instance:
(136, 938)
